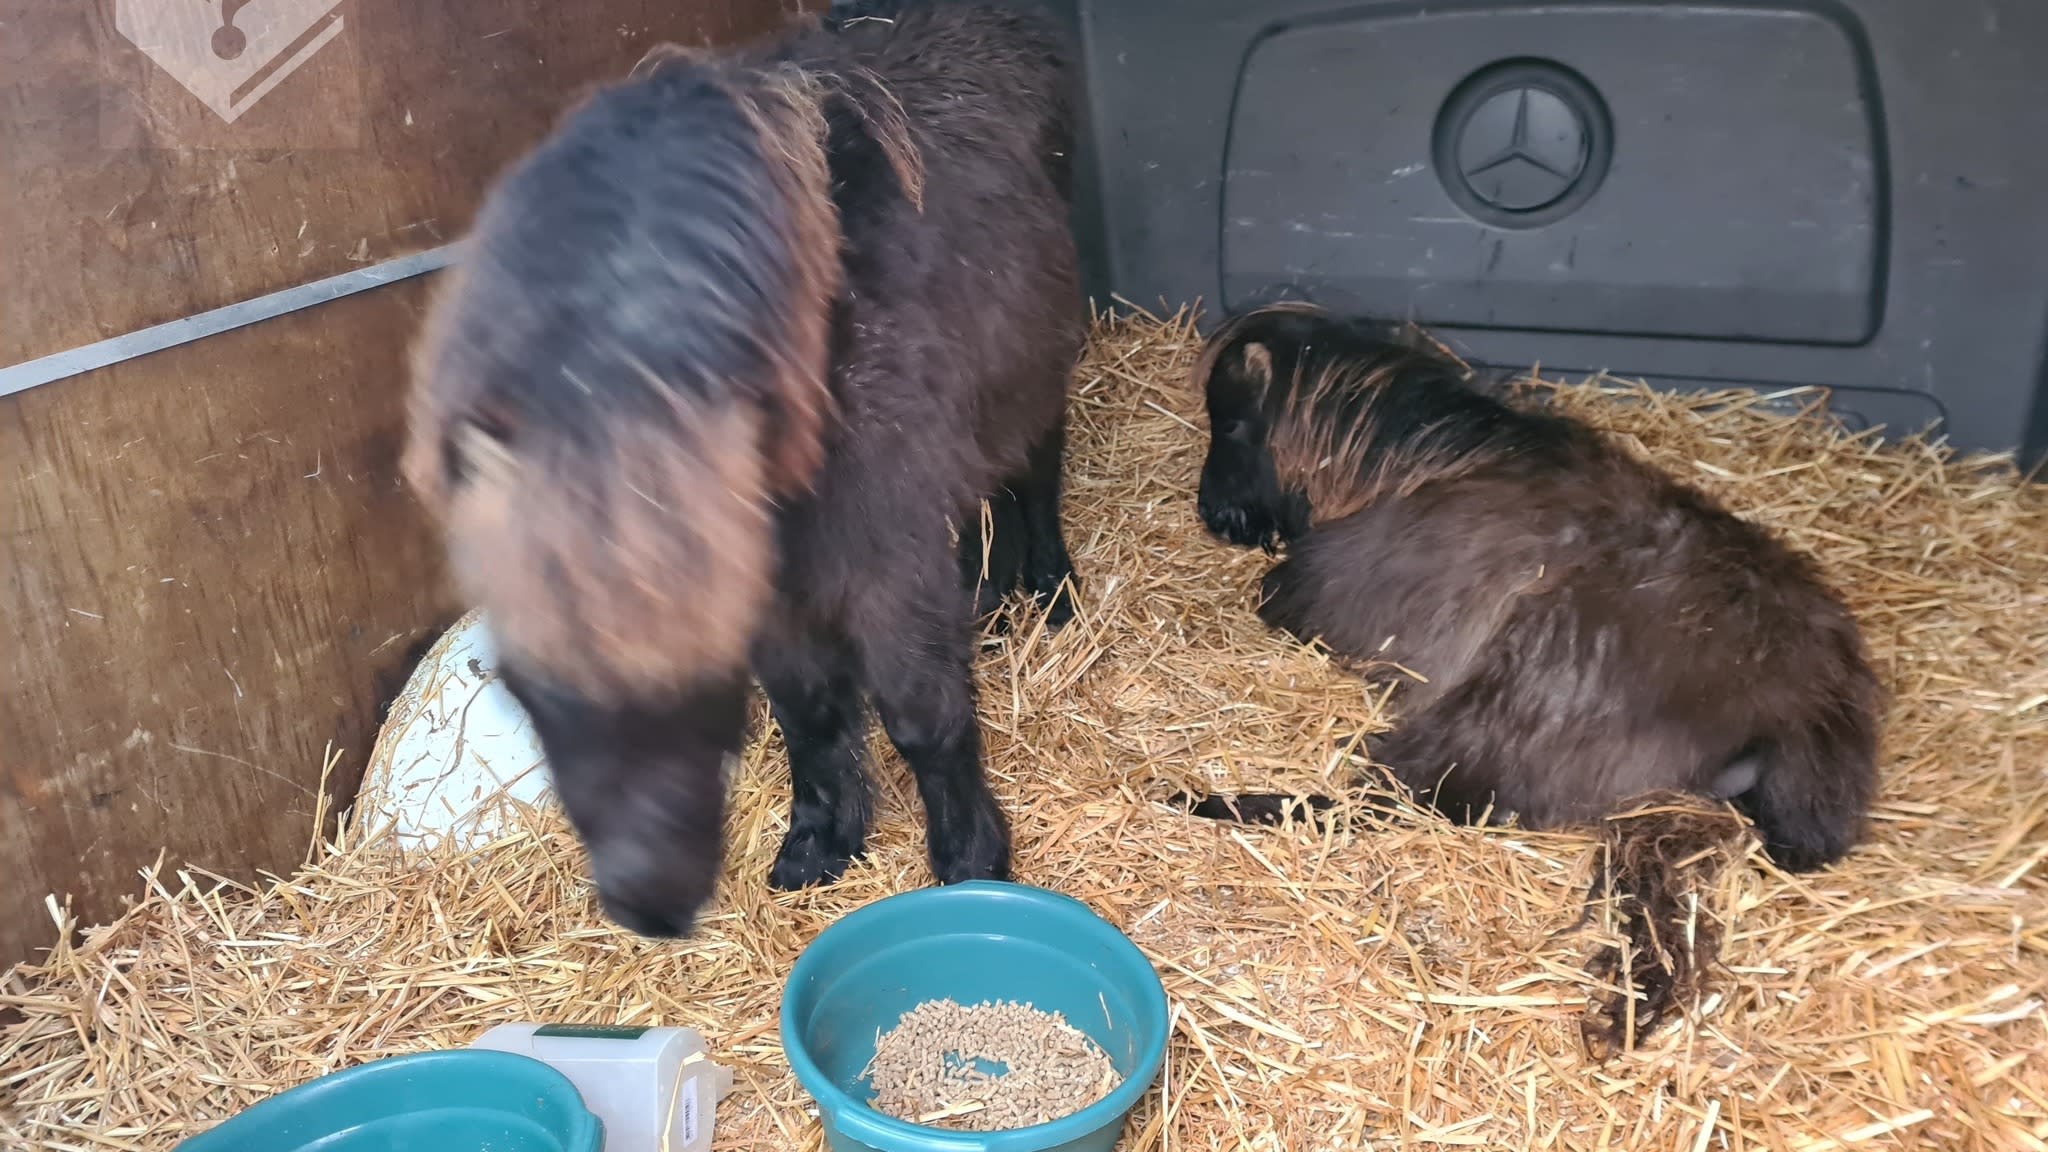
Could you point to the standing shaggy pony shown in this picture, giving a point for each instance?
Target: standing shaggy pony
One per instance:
(732, 360)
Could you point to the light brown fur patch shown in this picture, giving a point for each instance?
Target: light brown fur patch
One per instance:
(1326, 459)
(1259, 362)
(621, 573)
(630, 569)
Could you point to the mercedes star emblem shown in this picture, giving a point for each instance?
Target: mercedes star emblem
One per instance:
(1522, 144)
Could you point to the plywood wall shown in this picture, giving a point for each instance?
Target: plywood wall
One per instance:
(209, 572)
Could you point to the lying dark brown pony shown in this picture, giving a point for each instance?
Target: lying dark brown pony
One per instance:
(732, 360)
(1587, 630)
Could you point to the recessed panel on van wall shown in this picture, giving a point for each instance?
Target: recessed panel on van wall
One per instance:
(1639, 170)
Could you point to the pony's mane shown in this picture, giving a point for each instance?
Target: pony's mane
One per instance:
(1326, 424)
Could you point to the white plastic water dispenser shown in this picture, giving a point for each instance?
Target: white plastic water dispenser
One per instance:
(656, 1089)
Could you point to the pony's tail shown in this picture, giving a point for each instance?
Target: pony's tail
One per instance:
(1816, 780)
(1660, 859)
(618, 531)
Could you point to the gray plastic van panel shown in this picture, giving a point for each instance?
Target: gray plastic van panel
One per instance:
(1850, 195)
(1773, 233)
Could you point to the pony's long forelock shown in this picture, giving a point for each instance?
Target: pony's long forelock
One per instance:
(624, 572)
(430, 406)
(634, 562)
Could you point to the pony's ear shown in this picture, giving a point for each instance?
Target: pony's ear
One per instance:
(1258, 364)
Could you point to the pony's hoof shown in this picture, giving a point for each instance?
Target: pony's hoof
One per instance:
(806, 860)
(1054, 595)
(983, 854)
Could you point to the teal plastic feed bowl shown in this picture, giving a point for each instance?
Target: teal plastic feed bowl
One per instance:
(976, 941)
(459, 1101)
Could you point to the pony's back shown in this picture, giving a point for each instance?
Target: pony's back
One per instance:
(951, 140)
(1592, 634)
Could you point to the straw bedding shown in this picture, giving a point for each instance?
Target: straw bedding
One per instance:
(1398, 983)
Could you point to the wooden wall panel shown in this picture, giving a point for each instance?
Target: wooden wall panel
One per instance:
(207, 562)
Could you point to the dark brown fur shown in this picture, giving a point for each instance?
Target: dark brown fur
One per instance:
(731, 357)
(1586, 629)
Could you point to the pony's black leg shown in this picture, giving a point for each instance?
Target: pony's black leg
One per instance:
(814, 691)
(1048, 569)
(915, 657)
(1285, 598)
(992, 554)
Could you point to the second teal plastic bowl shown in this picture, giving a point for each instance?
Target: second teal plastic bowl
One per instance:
(977, 941)
(455, 1101)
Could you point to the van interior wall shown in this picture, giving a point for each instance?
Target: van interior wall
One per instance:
(210, 573)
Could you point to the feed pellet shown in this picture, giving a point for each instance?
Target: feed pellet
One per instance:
(985, 1068)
